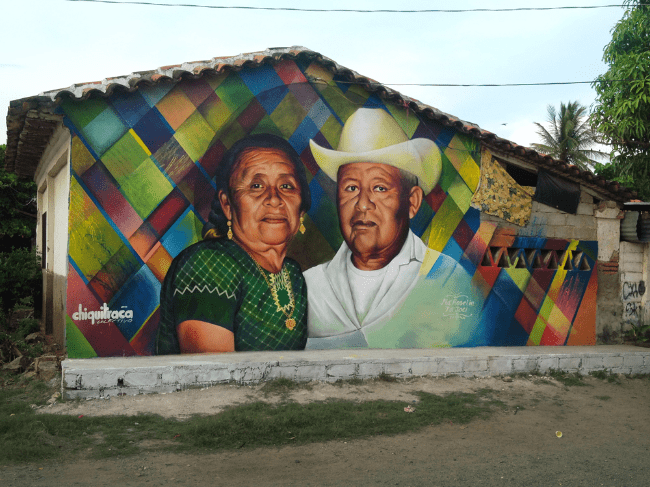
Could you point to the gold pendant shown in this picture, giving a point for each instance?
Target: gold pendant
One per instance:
(280, 286)
(291, 323)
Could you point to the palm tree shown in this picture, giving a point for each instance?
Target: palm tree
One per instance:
(570, 137)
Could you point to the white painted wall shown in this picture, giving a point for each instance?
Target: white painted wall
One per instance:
(52, 178)
(42, 203)
(59, 225)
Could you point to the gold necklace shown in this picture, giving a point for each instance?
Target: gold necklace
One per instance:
(280, 280)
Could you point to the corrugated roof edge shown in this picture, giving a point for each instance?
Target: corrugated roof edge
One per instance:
(31, 121)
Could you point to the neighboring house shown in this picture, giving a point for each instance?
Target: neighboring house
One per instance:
(125, 172)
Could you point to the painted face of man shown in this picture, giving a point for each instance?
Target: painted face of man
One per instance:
(374, 207)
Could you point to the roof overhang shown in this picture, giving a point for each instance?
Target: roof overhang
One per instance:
(30, 124)
(32, 121)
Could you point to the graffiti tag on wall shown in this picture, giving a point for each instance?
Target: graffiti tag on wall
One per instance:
(633, 290)
(631, 294)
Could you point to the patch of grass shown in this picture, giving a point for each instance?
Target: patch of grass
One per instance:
(282, 386)
(638, 376)
(567, 378)
(258, 424)
(603, 398)
(16, 339)
(544, 379)
(526, 375)
(486, 391)
(386, 378)
(605, 375)
(598, 374)
(21, 390)
(40, 386)
(488, 396)
(354, 381)
(35, 437)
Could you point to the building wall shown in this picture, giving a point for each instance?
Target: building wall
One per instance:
(554, 301)
(42, 241)
(53, 182)
(142, 180)
(553, 223)
(610, 313)
(633, 282)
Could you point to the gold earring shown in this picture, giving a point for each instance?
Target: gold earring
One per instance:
(302, 225)
(229, 230)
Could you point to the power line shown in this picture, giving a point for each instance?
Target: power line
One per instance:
(343, 10)
(489, 85)
(475, 85)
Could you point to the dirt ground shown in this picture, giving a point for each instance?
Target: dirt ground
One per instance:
(605, 441)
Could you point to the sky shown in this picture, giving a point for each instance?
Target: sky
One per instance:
(52, 44)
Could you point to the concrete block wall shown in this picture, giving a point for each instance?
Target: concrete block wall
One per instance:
(558, 224)
(622, 277)
(601, 222)
(103, 378)
(549, 222)
(633, 272)
(646, 277)
(609, 217)
(609, 316)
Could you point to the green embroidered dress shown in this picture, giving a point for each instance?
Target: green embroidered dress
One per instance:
(216, 281)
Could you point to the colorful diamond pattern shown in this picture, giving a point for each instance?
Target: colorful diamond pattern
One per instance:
(143, 167)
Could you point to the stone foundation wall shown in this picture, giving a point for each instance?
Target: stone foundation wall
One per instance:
(103, 378)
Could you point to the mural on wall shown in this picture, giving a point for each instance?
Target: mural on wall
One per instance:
(258, 210)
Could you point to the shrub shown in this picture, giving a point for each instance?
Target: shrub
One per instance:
(20, 278)
(27, 327)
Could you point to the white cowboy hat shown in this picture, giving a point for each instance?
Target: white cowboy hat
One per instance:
(372, 135)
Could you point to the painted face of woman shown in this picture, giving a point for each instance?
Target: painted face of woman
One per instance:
(265, 199)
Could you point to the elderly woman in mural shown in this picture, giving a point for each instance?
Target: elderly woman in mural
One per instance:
(236, 290)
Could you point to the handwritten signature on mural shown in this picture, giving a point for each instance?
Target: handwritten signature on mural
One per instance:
(458, 306)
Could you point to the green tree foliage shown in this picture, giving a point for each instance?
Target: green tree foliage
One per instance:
(17, 203)
(613, 173)
(20, 277)
(20, 272)
(569, 136)
(622, 110)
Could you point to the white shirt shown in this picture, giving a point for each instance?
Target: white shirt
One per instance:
(332, 314)
(364, 286)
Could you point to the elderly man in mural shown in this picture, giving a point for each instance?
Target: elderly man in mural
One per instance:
(235, 290)
(361, 298)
